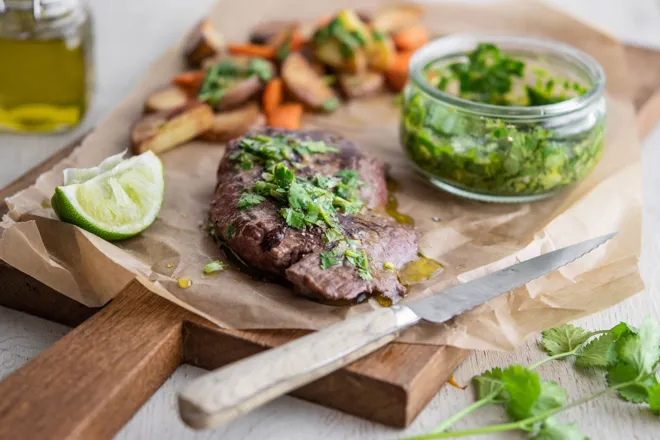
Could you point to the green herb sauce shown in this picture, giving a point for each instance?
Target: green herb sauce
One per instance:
(489, 155)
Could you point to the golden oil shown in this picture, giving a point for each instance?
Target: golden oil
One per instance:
(45, 66)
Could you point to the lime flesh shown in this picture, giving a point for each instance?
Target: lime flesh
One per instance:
(115, 204)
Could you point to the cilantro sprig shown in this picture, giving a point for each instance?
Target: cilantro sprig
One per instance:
(630, 358)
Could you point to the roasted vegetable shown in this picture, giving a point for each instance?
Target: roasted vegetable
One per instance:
(189, 81)
(232, 81)
(273, 94)
(381, 53)
(252, 50)
(203, 42)
(163, 131)
(232, 124)
(411, 38)
(394, 18)
(397, 74)
(329, 52)
(361, 84)
(264, 32)
(306, 85)
(286, 41)
(167, 99)
(286, 116)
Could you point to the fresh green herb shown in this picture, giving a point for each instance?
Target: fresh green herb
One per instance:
(630, 357)
(215, 266)
(261, 68)
(267, 151)
(284, 50)
(226, 73)
(248, 200)
(231, 230)
(315, 202)
(331, 104)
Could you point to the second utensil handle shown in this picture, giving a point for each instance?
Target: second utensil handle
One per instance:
(236, 389)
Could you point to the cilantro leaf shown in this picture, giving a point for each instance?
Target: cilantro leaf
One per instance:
(214, 266)
(642, 351)
(231, 230)
(563, 339)
(328, 259)
(293, 218)
(488, 383)
(552, 396)
(551, 430)
(622, 329)
(598, 353)
(248, 200)
(298, 198)
(636, 393)
(523, 388)
(654, 398)
(332, 235)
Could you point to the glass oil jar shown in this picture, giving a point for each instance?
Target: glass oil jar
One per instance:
(45, 65)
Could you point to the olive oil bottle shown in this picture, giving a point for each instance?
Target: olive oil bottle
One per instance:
(45, 65)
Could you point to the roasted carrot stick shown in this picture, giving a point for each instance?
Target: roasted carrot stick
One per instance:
(286, 116)
(397, 74)
(253, 50)
(189, 81)
(272, 95)
(411, 38)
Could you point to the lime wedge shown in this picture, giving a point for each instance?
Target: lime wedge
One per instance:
(116, 203)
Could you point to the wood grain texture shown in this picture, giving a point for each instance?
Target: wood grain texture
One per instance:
(98, 375)
(390, 386)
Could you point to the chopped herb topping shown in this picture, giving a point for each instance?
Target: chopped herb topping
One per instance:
(488, 75)
(231, 230)
(267, 151)
(214, 266)
(315, 202)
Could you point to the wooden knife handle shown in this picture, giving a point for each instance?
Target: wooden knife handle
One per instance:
(226, 393)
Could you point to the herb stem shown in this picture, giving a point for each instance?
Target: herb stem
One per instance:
(521, 424)
(464, 412)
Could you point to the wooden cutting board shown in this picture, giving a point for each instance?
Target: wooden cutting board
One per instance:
(91, 382)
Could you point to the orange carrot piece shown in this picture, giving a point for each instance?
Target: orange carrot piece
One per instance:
(272, 95)
(397, 74)
(253, 50)
(297, 40)
(189, 81)
(411, 38)
(286, 116)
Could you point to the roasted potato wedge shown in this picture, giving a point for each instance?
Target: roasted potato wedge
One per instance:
(239, 93)
(232, 124)
(307, 86)
(350, 22)
(163, 131)
(203, 42)
(166, 99)
(264, 32)
(393, 18)
(361, 84)
(381, 53)
(329, 52)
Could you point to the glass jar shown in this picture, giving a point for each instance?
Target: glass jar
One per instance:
(500, 153)
(45, 65)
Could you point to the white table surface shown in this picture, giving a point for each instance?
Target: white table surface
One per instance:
(130, 34)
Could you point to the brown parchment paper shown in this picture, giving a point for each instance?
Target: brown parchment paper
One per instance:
(471, 239)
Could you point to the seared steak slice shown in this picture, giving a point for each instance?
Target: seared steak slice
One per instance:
(260, 236)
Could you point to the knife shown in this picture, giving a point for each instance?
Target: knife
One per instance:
(226, 393)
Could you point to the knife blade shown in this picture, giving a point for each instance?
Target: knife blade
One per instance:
(231, 391)
(442, 307)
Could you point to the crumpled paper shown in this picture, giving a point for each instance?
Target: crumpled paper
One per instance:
(470, 240)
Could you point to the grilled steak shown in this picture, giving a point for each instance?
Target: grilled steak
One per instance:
(261, 236)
